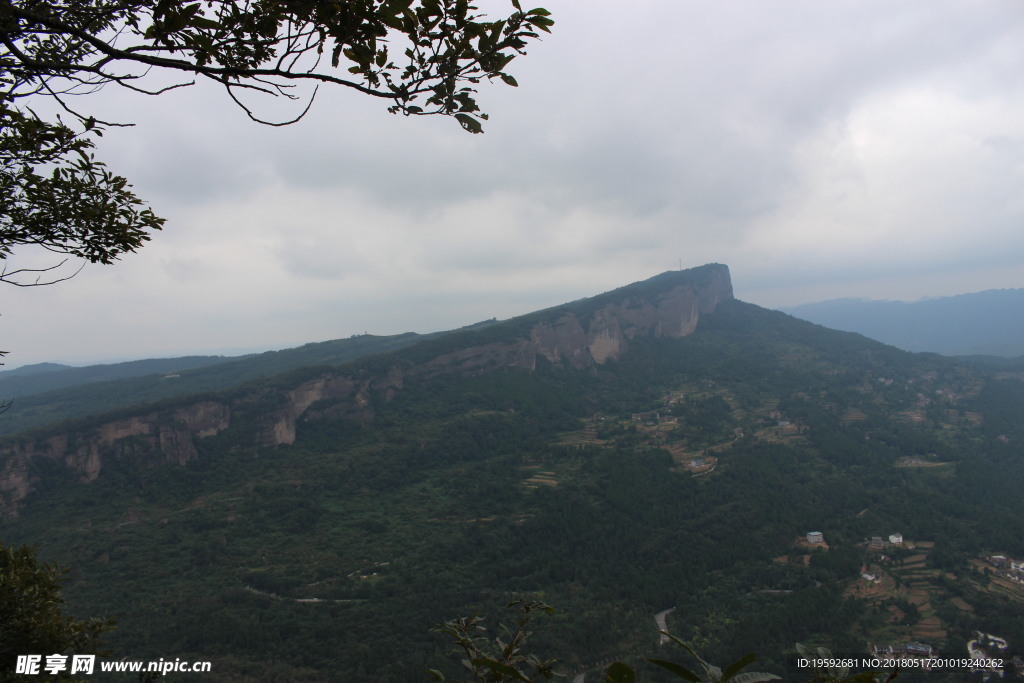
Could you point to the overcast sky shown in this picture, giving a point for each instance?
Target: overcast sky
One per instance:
(850, 148)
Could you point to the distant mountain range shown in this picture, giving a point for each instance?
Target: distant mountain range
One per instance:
(983, 323)
(40, 377)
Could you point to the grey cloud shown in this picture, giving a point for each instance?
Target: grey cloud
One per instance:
(708, 131)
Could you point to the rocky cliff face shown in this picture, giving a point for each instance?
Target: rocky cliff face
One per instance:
(164, 436)
(602, 335)
(585, 334)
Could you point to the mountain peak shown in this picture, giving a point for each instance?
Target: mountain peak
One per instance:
(666, 305)
(588, 331)
(582, 334)
(710, 276)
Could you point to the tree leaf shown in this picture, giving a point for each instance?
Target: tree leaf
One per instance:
(469, 123)
(737, 666)
(499, 668)
(203, 22)
(754, 677)
(862, 677)
(680, 671)
(620, 673)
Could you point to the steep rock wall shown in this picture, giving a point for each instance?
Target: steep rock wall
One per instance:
(579, 340)
(599, 337)
(156, 437)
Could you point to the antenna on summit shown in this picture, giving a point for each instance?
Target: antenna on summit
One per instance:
(680, 264)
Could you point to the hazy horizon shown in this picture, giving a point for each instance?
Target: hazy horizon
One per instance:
(229, 352)
(821, 150)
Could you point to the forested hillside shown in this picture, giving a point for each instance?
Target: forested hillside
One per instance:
(63, 394)
(686, 473)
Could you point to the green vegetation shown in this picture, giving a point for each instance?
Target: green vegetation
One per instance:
(424, 58)
(43, 377)
(503, 660)
(33, 615)
(575, 488)
(100, 389)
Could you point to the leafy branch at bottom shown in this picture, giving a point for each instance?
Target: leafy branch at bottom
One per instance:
(503, 660)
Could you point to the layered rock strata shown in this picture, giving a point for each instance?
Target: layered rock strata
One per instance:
(579, 336)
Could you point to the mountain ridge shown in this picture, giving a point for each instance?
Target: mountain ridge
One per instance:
(978, 323)
(685, 472)
(580, 334)
(42, 377)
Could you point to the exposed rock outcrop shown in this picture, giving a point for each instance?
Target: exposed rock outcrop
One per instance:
(153, 436)
(584, 334)
(603, 334)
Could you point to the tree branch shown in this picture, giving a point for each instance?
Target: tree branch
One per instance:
(5, 276)
(167, 63)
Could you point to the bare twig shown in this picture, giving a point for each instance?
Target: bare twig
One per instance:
(5, 275)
